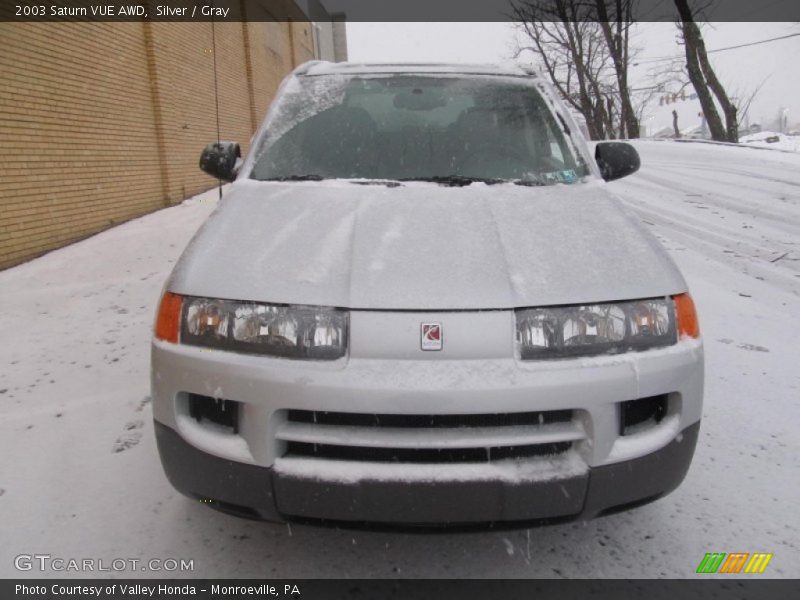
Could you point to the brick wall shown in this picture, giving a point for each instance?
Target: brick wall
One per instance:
(104, 122)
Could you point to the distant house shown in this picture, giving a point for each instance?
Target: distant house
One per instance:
(696, 133)
(664, 132)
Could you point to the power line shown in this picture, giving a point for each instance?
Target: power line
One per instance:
(783, 37)
(666, 58)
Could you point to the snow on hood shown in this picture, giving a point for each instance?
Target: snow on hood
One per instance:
(423, 246)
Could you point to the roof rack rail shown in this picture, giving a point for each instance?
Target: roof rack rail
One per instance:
(303, 68)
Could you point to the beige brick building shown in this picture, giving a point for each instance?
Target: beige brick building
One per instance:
(104, 122)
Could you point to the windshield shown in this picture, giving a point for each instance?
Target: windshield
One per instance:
(415, 127)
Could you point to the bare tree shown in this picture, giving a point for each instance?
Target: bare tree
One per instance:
(573, 50)
(743, 100)
(641, 99)
(665, 80)
(617, 36)
(583, 46)
(704, 79)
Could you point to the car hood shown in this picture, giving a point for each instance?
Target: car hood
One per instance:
(423, 246)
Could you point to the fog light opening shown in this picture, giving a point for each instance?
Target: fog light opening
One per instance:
(216, 410)
(641, 414)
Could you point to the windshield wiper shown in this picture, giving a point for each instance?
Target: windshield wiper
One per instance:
(387, 182)
(529, 182)
(308, 177)
(455, 180)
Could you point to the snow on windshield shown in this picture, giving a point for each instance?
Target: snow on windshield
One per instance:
(300, 101)
(411, 126)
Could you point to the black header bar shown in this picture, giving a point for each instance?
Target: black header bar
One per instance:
(355, 10)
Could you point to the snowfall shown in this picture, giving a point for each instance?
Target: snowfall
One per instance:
(80, 475)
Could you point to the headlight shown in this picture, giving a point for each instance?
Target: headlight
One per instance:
(609, 328)
(293, 331)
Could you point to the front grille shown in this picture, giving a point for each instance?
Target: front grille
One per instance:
(427, 439)
(429, 421)
(423, 455)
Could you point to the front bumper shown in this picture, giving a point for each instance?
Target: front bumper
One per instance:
(249, 490)
(252, 470)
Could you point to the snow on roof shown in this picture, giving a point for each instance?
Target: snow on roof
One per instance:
(318, 67)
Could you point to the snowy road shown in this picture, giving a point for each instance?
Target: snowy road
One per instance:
(80, 477)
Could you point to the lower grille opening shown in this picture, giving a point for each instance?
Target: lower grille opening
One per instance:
(423, 455)
(217, 410)
(636, 415)
(429, 421)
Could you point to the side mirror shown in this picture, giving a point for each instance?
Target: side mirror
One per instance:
(218, 159)
(616, 159)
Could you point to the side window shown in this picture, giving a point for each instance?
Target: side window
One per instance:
(559, 156)
(555, 151)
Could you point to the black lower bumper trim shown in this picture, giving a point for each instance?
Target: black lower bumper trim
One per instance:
(231, 486)
(253, 491)
(641, 480)
(429, 502)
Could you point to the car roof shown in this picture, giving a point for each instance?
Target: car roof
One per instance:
(319, 67)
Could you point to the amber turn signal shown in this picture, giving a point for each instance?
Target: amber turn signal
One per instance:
(687, 316)
(169, 318)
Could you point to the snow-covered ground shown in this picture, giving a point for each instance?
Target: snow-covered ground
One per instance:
(770, 139)
(79, 472)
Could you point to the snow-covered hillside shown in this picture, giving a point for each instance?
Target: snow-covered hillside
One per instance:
(80, 476)
(770, 139)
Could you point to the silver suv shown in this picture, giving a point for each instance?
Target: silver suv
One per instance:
(420, 303)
